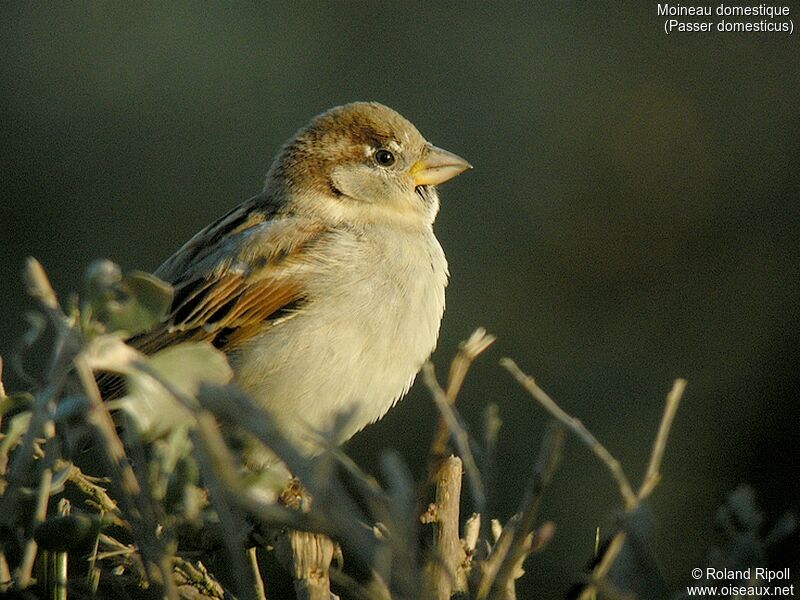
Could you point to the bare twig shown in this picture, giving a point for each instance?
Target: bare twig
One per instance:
(575, 425)
(335, 517)
(89, 486)
(446, 575)
(23, 460)
(5, 573)
(253, 555)
(230, 519)
(653, 475)
(601, 570)
(29, 554)
(494, 575)
(38, 285)
(309, 553)
(460, 435)
(399, 564)
(310, 557)
(93, 572)
(467, 353)
(67, 339)
(522, 542)
(59, 561)
(134, 502)
(631, 499)
(440, 571)
(119, 549)
(194, 581)
(64, 350)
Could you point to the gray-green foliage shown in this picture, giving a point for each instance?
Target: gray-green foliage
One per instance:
(144, 493)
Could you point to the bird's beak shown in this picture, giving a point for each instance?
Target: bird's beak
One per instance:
(437, 166)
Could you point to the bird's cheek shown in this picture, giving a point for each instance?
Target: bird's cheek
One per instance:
(360, 183)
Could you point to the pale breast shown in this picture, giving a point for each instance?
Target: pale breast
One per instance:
(372, 318)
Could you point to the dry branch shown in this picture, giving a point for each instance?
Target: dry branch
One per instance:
(631, 499)
(468, 351)
(458, 432)
(376, 528)
(310, 556)
(628, 495)
(444, 572)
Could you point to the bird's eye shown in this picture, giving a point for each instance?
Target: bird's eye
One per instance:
(384, 158)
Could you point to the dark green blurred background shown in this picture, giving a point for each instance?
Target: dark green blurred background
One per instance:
(632, 216)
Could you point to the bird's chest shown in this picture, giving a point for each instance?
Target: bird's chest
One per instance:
(371, 318)
(383, 296)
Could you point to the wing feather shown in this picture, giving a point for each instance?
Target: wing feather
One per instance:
(233, 280)
(251, 277)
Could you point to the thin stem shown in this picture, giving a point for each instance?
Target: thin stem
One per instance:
(600, 572)
(628, 496)
(467, 353)
(460, 435)
(260, 593)
(135, 503)
(520, 546)
(230, 519)
(29, 554)
(653, 475)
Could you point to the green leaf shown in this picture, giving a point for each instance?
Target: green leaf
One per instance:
(110, 353)
(135, 304)
(184, 367)
(153, 294)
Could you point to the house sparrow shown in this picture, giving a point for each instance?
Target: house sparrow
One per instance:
(326, 290)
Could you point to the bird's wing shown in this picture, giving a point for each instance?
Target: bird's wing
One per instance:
(234, 279)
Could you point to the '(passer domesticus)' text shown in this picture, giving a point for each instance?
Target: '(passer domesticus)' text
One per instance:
(725, 18)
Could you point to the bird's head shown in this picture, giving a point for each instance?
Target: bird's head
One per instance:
(362, 163)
